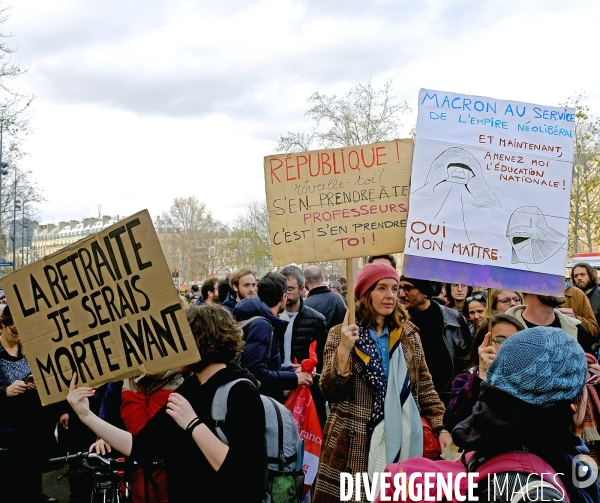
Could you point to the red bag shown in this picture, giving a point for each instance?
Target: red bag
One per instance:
(301, 403)
(431, 443)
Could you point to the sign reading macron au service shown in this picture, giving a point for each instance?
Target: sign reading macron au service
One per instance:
(104, 307)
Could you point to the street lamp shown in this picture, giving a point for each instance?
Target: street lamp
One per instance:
(3, 172)
(16, 206)
(23, 240)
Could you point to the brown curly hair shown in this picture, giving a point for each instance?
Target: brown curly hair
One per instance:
(217, 336)
(367, 316)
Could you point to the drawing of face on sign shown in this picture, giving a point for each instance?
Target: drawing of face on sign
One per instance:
(531, 239)
(459, 173)
(455, 178)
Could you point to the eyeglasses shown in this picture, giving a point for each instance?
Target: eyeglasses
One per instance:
(510, 300)
(477, 296)
(14, 333)
(407, 288)
(498, 341)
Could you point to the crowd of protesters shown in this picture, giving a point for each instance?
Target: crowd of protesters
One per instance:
(486, 371)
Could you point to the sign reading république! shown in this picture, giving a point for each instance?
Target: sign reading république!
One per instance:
(338, 203)
(104, 307)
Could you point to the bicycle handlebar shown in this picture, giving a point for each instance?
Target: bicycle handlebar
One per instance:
(116, 463)
(83, 456)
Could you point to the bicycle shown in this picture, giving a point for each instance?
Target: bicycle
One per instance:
(110, 485)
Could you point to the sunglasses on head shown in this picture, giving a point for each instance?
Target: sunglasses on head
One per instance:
(478, 296)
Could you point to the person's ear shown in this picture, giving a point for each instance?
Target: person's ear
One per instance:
(574, 408)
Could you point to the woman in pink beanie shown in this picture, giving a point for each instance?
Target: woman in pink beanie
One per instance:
(376, 379)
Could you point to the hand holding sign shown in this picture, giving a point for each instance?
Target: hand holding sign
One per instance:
(487, 355)
(348, 339)
(349, 335)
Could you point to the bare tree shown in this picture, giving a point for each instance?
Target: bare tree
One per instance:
(363, 115)
(585, 192)
(194, 241)
(14, 124)
(250, 241)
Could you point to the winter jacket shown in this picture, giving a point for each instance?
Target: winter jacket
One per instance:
(264, 366)
(230, 302)
(457, 340)
(580, 304)
(345, 445)
(309, 325)
(328, 303)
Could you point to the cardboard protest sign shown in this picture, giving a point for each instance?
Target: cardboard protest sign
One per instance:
(338, 203)
(489, 202)
(104, 307)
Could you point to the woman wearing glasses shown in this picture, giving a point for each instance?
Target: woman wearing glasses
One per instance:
(376, 379)
(465, 387)
(503, 300)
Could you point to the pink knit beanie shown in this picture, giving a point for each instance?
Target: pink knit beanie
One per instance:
(370, 274)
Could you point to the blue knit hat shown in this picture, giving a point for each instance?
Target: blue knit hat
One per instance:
(541, 366)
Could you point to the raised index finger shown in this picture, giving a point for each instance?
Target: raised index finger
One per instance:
(486, 340)
(72, 384)
(345, 322)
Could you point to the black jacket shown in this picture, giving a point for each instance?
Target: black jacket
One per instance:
(328, 303)
(309, 326)
(594, 296)
(242, 476)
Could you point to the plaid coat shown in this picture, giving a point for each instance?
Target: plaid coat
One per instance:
(345, 445)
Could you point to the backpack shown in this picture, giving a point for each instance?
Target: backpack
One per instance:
(511, 477)
(285, 448)
(244, 325)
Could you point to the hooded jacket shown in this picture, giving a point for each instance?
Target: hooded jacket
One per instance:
(264, 366)
(230, 302)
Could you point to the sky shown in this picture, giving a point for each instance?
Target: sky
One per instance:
(138, 102)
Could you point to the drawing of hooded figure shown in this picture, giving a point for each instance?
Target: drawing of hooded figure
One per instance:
(531, 239)
(456, 178)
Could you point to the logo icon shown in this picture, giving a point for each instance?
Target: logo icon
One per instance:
(584, 471)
